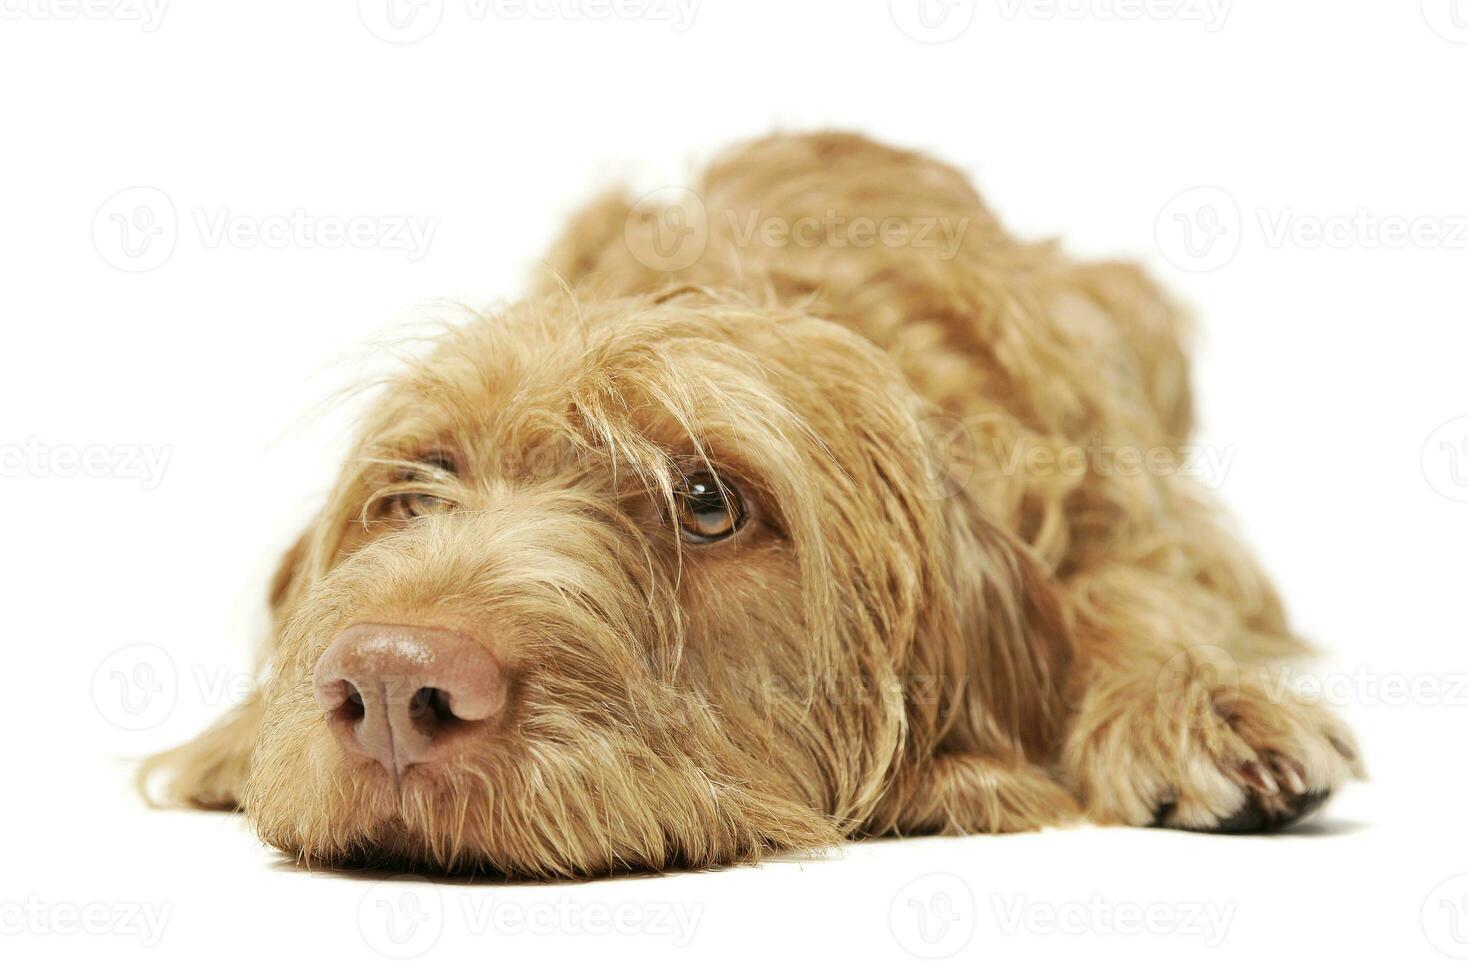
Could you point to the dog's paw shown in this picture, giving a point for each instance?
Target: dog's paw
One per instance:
(1209, 750)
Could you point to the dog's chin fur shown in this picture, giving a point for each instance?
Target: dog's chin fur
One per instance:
(908, 636)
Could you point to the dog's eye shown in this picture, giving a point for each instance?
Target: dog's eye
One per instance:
(709, 509)
(409, 505)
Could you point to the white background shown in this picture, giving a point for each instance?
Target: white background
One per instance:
(1326, 371)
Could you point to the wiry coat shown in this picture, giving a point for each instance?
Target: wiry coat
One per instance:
(928, 627)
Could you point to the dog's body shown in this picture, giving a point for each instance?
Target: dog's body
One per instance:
(941, 573)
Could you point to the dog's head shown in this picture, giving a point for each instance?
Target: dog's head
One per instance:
(636, 583)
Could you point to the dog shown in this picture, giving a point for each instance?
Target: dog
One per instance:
(807, 506)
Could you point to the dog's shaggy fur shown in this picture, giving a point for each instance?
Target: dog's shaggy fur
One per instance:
(920, 629)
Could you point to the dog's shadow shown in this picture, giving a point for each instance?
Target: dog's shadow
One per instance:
(378, 872)
(1321, 827)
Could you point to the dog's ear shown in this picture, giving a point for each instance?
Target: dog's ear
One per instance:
(287, 578)
(1018, 643)
(985, 696)
(986, 691)
(209, 772)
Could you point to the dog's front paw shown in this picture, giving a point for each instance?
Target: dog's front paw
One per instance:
(1208, 749)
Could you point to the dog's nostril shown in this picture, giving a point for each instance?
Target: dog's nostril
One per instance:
(352, 708)
(431, 710)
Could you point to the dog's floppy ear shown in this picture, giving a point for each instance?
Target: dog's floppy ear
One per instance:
(986, 690)
(993, 650)
(1019, 646)
(209, 772)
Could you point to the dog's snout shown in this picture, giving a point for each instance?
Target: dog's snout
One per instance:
(407, 695)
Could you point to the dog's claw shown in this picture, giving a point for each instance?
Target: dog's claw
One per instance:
(1340, 745)
(1290, 773)
(1258, 777)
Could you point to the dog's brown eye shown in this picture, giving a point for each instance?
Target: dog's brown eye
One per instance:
(409, 505)
(708, 509)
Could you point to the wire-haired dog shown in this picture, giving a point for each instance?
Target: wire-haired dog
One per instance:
(808, 506)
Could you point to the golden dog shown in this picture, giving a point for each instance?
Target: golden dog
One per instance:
(808, 506)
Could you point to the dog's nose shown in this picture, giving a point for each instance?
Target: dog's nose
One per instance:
(406, 695)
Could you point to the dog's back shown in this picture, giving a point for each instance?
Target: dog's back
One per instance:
(1003, 337)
